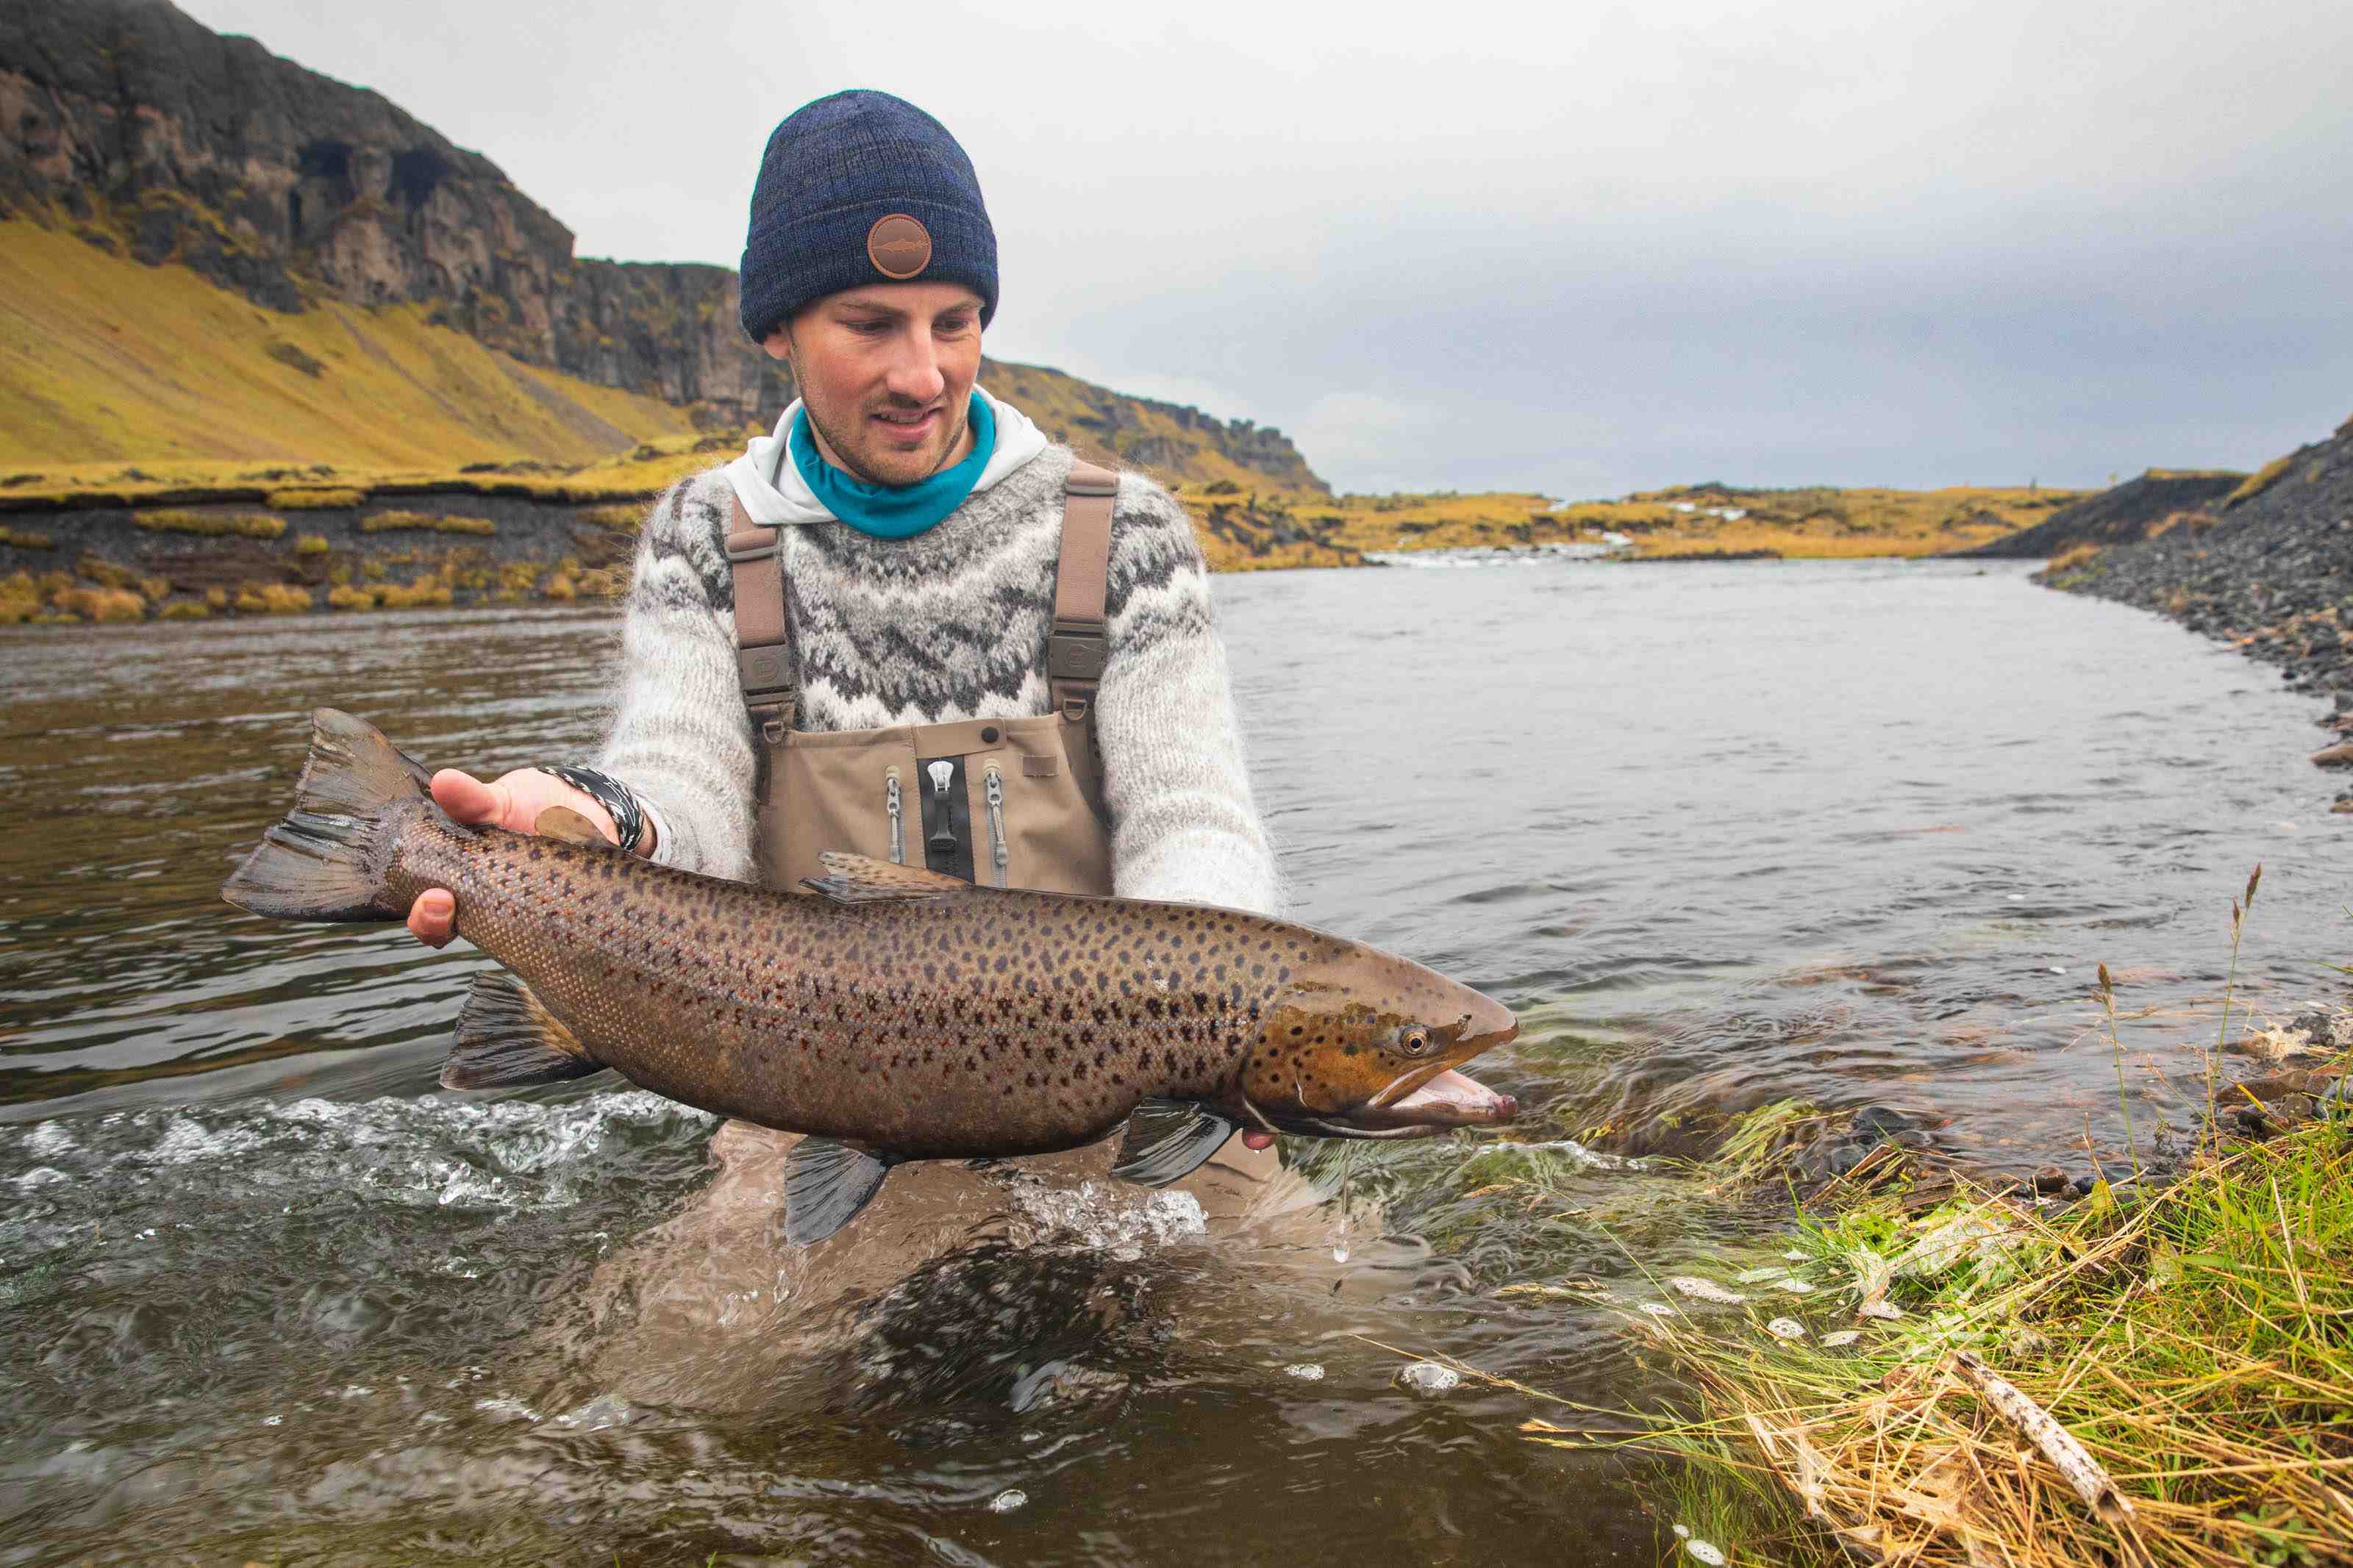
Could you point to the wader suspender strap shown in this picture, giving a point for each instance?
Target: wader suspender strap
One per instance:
(764, 654)
(1075, 649)
(1078, 645)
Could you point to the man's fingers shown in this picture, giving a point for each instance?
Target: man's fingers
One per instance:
(1257, 1140)
(467, 798)
(432, 918)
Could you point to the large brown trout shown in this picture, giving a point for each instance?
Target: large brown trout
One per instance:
(900, 1014)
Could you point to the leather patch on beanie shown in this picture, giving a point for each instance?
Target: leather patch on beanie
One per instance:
(899, 247)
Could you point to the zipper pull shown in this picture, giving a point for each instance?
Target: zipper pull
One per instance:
(897, 825)
(941, 840)
(993, 791)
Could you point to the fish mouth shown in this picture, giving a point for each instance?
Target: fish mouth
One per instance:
(1446, 1099)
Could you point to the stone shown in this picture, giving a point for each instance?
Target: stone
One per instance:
(2051, 1178)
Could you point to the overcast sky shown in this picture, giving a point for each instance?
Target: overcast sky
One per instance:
(1577, 249)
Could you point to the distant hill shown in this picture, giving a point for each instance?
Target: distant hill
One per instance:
(2271, 569)
(2121, 514)
(364, 241)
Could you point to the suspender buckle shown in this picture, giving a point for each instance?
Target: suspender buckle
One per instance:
(1076, 654)
(754, 544)
(767, 673)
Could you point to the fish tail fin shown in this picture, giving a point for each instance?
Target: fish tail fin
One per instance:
(326, 860)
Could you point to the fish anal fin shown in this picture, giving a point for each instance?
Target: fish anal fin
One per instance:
(826, 1183)
(508, 1039)
(566, 826)
(1166, 1140)
(855, 880)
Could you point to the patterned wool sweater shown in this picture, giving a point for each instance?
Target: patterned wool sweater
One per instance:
(949, 624)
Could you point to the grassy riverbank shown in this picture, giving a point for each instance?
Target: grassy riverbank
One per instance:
(2192, 1348)
(194, 537)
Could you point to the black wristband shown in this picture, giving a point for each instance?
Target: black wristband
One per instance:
(628, 817)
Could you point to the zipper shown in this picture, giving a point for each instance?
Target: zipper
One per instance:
(897, 824)
(993, 786)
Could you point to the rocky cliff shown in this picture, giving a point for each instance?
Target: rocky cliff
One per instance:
(136, 127)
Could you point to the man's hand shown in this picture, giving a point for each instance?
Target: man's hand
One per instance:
(512, 802)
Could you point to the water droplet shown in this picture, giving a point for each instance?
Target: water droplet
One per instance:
(1785, 1328)
(1843, 1337)
(1705, 1552)
(1339, 1255)
(272, 1420)
(1304, 1370)
(1008, 1500)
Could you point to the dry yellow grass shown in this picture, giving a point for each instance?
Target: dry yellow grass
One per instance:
(272, 598)
(432, 523)
(313, 500)
(104, 363)
(2073, 557)
(212, 525)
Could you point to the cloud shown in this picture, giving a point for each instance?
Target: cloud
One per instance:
(1612, 245)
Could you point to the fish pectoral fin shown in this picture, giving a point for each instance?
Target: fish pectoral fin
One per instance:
(855, 880)
(566, 826)
(826, 1183)
(508, 1039)
(1168, 1139)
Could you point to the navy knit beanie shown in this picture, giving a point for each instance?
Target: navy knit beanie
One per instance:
(858, 188)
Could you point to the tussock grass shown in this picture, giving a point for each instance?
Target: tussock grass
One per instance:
(2069, 559)
(271, 599)
(210, 525)
(313, 500)
(27, 538)
(433, 523)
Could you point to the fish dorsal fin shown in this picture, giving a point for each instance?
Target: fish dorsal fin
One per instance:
(1168, 1139)
(855, 880)
(566, 826)
(508, 1039)
(826, 1183)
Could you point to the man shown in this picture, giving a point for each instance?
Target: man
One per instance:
(900, 535)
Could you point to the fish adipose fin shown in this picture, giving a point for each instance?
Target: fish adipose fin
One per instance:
(508, 1039)
(855, 880)
(826, 1183)
(323, 861)
(566, 826)
(1167, 1140)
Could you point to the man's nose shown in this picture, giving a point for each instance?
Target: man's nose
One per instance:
(914, 374)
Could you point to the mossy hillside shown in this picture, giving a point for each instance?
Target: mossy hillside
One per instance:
(103, 360)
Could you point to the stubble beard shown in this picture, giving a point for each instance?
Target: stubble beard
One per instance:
(846, 453)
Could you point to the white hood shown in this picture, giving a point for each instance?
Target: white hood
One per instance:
(770, 488)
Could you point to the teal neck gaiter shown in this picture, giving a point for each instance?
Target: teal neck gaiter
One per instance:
(887, 511)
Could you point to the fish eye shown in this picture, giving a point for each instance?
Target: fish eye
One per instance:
(1414, 1041)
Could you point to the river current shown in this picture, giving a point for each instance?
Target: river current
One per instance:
(1857, 832)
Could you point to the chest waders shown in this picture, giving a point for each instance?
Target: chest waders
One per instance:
(1005, 803)
(1010, 803)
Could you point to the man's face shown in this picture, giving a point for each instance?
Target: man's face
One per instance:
(886, 372)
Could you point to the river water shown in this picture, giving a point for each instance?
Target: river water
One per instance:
(1853, 832)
